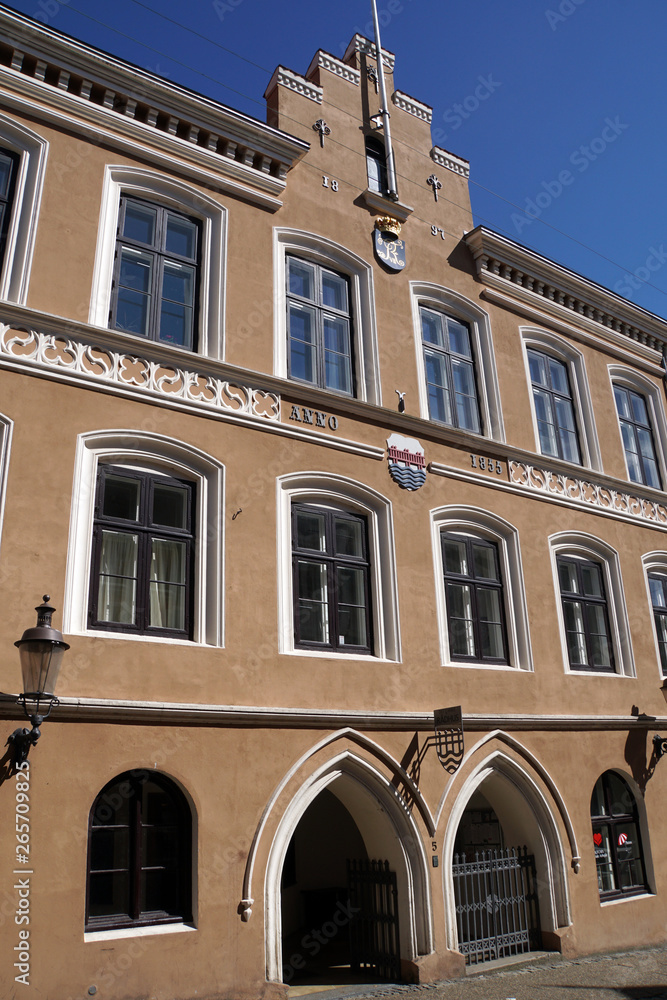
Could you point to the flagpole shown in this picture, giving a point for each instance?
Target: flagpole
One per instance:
(391, 171)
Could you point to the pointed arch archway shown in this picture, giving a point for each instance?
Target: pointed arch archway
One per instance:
(388, 829)
(526, 810)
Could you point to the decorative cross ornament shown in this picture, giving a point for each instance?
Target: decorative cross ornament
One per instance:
(435, 184)
(321, 127)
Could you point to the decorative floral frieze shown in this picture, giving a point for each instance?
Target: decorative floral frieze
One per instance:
(585, 492)
(117, 369)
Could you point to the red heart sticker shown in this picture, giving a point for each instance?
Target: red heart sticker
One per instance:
(597, 837)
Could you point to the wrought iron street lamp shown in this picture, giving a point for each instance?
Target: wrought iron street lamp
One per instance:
(659, 745)
(41, 650)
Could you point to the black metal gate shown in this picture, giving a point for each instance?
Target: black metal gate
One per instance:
(497, 911)
(374, 942)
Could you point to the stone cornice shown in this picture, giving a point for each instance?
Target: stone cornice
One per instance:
(366, 47)
(412, 106)
(451, 162)
(324, 60)
(386, 206)
(504, 264)
(176, 713)
(284, 77)
(83, 77)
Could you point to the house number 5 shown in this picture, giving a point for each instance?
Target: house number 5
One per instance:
(326, 182)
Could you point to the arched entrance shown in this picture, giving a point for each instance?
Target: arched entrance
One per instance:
(506, 867)
(346, 812)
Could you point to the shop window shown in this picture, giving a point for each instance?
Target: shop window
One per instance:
(139, 854)
(619, 858)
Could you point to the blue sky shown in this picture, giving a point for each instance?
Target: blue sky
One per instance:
(560, 105)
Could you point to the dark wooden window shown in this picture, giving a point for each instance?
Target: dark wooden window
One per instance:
(319, 326)
(139, 853)
(331, 580)
(554, 407)
(450, 371)
(618, 849)
(376, 165)
(142, 565)
(475, 599)
(637, 437)
(9, 165)
(585, 614)
(658, 586)
(156, 273)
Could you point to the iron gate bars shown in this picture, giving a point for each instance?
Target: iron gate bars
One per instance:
(497, 911)
(374, 941)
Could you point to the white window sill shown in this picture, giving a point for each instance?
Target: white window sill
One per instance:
(128, 636)
(627, 899)
(134, 932)
(329, 654)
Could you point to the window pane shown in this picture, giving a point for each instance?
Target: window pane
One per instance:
(302, 337)
(140, 222)
(455, 556)
(639, 411)
(567, 574)
(159, 892)
(432, 328)
(349, 537)
(490, 616)
(461, 633)
(558, 373)
(598, 803)
(178, 282)
(109, 849)
(603, 862)
(134, 299)
(313, 622)
(108, 894)
(622, 402)
(338, 370)
(351, 586)
(167, 583)
(121, 497)
(537, 365)
(466, 395)
(484, 557)
(6, 164)
(310, 531)
(181, 236)
(157, 807)
(116, 600)
(438, 387)
(170, 506)
(334, 291)
(176, 312)
(576, 637)
(352, 626)
(459, 338)
(591, 578)
(312, 581)
(301, 278)
(621, 799)
(628, 855)
(113, 807)
(657, 585)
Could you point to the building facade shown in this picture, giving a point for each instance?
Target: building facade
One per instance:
(295, 481)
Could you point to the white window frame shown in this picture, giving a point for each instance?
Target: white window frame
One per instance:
(139, 183)
(319, 250)
(441, 299)
(32, 150)
(152, 453)
(585, 546)
(573, 359)
(654, 562)
(327, 490)
(480, 523)
(630, 379)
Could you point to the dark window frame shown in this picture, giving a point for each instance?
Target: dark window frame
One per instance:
(321, 311)
(588, 601)
(7, 199)
(159, 255)
(614, 820)
(129, 785)
(333, 562)
(634, 425)
(554, 394)
(475, 583)
(660, 616)
(146, 530)
(451, 358)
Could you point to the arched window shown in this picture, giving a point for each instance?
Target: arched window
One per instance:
(619, 857)
(139, 853)
(376, 165)
(643, 430)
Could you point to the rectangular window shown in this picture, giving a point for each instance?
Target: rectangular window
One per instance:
(658, 587)
(554, 409)
(156, 273)
(330, 569)
(585, 614)
(450, 371)
(637, 437)
(143, 552)
(9, 165)
(475, 599)
(319, 326)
